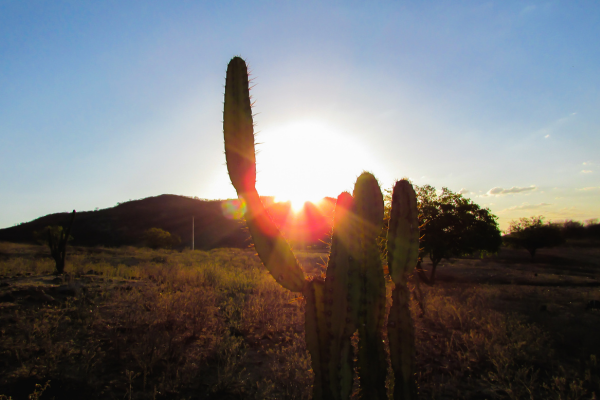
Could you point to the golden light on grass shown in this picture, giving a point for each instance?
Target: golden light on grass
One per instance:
(193, 321)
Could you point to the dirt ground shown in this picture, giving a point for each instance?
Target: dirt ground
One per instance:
(551, 290)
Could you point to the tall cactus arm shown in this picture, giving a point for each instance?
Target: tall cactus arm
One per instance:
(372, 362)
(403, 232)
(238, 128)
(336, 294)
(403, 249)
(238, 131)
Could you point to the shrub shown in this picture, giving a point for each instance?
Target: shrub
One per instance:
(532, 234)
(157, 238)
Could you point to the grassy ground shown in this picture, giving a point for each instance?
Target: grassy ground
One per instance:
(139, 324)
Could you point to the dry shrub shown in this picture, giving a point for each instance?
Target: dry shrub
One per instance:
(465, 349)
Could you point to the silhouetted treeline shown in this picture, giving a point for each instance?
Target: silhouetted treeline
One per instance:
(577, 230)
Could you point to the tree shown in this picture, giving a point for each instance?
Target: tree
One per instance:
(532, 234)
(572, 229)
(157, 238)
(451, 226)
(592, 228)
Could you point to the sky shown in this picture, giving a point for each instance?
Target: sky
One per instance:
(103, 102)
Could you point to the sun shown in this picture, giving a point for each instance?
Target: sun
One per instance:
(297, 201)
(308, 160)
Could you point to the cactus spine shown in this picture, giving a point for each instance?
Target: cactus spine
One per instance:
(352, 296)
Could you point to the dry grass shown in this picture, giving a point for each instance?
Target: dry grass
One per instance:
(142, 324)
(170, 325)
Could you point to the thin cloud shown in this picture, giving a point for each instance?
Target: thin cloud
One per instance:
(498, 191)
(526, 206)
(570, 213)
(590, 188)
(463, 191)
(586, 171)
(528, 9)
(555, 126)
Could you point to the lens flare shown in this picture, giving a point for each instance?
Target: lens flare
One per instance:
(233, 209)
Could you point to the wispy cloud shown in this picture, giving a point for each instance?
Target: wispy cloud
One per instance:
(463, 191)
(553, 126)
(586, 171)
(528, 9)
(498, 191)
(590, 188)
(526, 206)
(569, 213)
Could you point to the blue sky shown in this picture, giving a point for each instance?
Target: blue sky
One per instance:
(102, 102)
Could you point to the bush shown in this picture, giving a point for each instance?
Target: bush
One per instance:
(157, 238)
(572, 229)
(532, 234)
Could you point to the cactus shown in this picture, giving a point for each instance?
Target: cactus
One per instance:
(238, 130)
(352, 296)
(368, 210)
(57, 241)
(403, 252)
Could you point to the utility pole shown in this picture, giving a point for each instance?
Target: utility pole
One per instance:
(192, 233)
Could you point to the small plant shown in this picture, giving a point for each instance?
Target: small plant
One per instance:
(352, 295)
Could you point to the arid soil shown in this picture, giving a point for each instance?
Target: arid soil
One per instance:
(142, 324)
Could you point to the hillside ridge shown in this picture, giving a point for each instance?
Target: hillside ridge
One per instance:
(125, 223)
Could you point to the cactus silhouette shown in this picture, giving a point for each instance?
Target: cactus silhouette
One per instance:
(57, 241)
(352, 296)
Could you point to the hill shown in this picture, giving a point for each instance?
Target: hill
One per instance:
(124, 224)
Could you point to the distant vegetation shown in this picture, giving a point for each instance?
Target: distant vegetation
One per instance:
(570, 229)
(450, 226)
(533, 233)
(157, 238)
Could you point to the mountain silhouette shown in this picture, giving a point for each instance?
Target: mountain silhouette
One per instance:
(125, 224)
